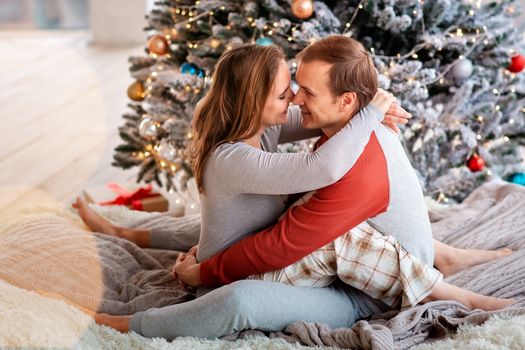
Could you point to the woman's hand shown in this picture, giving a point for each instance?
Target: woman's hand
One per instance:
(187, 270)
(396, 115)
(193, 250)
(383, 100)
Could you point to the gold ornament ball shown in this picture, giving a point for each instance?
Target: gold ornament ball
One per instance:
(158, 44)
(136, 91)
(302, 9)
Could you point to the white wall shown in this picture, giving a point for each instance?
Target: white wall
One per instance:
(70, 14)
(117, 22)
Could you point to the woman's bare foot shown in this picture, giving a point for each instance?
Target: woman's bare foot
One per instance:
(93, 220)
(478, 301)
(120, 323)
(447, 291)
(456, 259)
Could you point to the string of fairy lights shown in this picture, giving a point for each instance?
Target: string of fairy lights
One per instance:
(186, 18)
(165, 155)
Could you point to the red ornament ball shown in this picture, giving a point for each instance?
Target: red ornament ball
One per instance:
(158, 44)
(302, 9)
(517, 64)
(475, 163)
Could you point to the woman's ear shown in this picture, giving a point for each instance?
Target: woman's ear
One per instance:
(348, 102)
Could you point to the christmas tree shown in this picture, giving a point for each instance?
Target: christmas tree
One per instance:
(454, 64)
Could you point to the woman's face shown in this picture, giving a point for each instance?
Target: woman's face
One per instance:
(275, 110)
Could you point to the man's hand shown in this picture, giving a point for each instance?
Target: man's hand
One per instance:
(187, 270)
(396, 115)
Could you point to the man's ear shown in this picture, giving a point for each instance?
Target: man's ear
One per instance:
(348, 101)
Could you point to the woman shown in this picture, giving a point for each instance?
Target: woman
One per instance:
(242, 126)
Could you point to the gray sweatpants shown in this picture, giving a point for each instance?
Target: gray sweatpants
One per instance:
(251, 304)
(244, 304)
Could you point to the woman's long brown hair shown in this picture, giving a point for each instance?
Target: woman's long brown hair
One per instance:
(232, 107)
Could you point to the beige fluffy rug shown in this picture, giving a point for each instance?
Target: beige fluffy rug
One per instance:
(497, 333)
(32, 321)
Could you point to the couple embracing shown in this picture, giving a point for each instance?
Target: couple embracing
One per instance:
(330, 236)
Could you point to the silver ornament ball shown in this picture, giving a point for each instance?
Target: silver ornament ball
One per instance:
(168, 152)
(463, 69)
(148, 128)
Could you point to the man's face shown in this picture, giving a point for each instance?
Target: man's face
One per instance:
(320, 109)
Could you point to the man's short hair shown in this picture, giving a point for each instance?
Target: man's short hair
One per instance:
(352, 67)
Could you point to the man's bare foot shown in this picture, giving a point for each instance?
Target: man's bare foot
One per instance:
(97, 223)
(120, 323)
(461, 259)
(93, 220)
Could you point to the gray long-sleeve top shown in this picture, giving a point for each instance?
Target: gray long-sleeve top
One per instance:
(246, 188)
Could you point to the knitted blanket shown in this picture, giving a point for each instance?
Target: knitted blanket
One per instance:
(54, 253)
(100, 272)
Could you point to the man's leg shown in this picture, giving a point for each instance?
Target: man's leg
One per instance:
(160, 231)
(172, 233)
(450, 260)
(256, 304)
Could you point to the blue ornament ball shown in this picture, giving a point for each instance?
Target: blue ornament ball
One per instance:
(264, 41)
(189, 68)
(518, 178)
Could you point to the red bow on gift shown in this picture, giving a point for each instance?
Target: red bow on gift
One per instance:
(132, 199)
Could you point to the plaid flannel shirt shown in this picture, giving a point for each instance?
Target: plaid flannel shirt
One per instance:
(367, 260)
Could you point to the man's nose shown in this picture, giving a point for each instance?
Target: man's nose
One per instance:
(298, 98)
(291, 97)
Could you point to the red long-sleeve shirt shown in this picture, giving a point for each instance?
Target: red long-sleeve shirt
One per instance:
(360, 194)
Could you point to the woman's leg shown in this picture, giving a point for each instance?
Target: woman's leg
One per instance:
(450, 260)
(251, 305)
(377, 265)
(161, 231)
(446, 291)
(385, 267)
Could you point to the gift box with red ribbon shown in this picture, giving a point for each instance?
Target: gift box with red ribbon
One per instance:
(133, 197)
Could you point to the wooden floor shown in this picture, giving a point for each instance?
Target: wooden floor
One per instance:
(61, 102)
